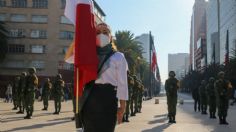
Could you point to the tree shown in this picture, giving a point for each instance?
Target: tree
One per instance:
(3, 41)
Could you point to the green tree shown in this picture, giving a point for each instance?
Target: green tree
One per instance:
(3, 41)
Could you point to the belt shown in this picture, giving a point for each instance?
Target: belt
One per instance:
(106, 85)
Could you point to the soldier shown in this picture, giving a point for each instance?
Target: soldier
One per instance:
(20, 93)
(31, 86)
(140, 96)
(222, 87)
(58, 93)
(211, 97)
(203, 97)
(133, 101)
(128, 102)
(14, 92)
(171, 87)
(196, 98)
(46, 92)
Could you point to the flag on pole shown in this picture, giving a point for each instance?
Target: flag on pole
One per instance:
(153, 56)
(82, 51)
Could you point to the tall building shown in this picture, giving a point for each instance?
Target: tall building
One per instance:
(39, 35)
(227, 22)
(198, 34)
(179, 63)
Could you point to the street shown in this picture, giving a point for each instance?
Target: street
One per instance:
(152, 119)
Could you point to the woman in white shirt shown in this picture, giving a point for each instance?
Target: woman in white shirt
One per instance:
(100, 111)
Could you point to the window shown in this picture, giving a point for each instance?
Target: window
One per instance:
(2, 3)
(64, 20)
(39, 18)
(18, 18)
(16, 48)
(2, 17)
(64, 50)
(19, 3)
(15, 64)
(17, 33)
(37, 64)
(42, 34)
(40, 3)
(37, 49)
(65, 66)
(66, 35)
(63, 4)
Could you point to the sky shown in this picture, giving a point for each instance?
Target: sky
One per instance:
(168, 20)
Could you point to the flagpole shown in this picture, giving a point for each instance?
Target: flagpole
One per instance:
(78, 122)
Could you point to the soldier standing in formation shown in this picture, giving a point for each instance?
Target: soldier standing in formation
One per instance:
(14, 92)
(222, 87)
(211, 97)
(140, 96)
(46, 92)
(134, 97)
(58, 93)
(31, 86)
(203, 97)
(20, 93)
(171, 87)
(196, 98)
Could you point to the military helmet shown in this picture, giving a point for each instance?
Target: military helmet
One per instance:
(171, 74)
(212, 79)
(23, 74)
(59, 76)
(32, 70)
(221, 74)
(203, 82)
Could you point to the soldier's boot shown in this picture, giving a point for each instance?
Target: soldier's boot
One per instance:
(170, 119)
(20, 111)
(173, 119)
(220, 120)
(27, 115)
(213, 115)
(224, 121)
(127, 118)
(123, 119)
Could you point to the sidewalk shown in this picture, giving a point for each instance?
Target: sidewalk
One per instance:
(152, 119)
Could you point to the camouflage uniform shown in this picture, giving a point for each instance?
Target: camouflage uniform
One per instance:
(140, 97)
(171, 87)
(196, 98)
(128, 102)
(58, 93)
(222, 87)
(203, 96)
(133, 102)
(20, 93)
(31, 87)
(45, 93)
(211, 97)
(14, 92)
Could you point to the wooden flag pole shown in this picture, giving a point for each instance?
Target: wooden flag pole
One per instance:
(78, 122)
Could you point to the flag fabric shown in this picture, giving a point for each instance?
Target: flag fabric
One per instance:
(153, 55)
(227, 48)
(83, 49)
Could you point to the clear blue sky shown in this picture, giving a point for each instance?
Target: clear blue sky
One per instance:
(168, 20)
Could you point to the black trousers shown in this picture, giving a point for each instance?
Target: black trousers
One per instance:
(100, 109)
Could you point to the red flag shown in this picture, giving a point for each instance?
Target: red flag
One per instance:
(154, 59)
(80, 12)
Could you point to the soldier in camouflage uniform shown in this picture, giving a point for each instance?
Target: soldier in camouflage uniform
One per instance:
(20, 93)
(222, 87)
(171, 87)
(140, 96)
(128, 102)
(31, 87)
(58, 93)
(14, 92)
(196, 98)
(211, 97)
(203, 97)
(46, 92)
(133, 102)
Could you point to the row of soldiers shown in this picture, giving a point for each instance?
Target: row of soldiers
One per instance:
(215, 94)
(134, 104)
(24, 87)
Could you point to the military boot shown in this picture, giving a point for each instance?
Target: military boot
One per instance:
(220, 120)
(170, 119)
(224, 121)
(127, 118)
(173, 119)
(213, 115)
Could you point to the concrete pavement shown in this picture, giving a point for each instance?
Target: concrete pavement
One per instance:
(152, 119)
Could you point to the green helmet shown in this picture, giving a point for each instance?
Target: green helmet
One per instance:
(203, 82)
(212, 79)
(221, 75)
(32, 70)
(59, 76)
(23, 74)
(171, 74)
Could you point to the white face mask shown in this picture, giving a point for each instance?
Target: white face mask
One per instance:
(103, 40)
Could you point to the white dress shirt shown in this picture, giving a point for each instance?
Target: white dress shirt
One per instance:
(114, 72)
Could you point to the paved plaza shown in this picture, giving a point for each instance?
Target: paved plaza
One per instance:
(152, 119)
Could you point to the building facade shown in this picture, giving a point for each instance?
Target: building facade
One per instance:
(179, 63)
(39, 35)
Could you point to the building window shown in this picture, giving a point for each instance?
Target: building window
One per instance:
(63, 4)
(39, 49)
(17, 33)
(64, 50)
(40, 3)
(67, 35)
(39, 18)
(37, 64)
(16, 48)
(19, 3)
(64, 66)
(2, 17)
(64, 20)
(18, 18)
(15, 64)
(2, 3)
(42, 34)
